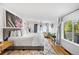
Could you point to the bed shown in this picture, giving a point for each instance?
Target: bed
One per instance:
(30, 41)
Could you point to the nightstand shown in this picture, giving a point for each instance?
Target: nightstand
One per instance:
(4, 45)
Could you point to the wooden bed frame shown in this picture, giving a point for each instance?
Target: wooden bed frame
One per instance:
(27, 47)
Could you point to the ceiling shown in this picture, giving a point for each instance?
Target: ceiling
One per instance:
(41, 11)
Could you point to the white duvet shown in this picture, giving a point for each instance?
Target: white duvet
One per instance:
(30, 39)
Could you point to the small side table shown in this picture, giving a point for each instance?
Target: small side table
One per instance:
(4, 45)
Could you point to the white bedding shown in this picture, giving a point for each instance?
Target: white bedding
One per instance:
(28, 40)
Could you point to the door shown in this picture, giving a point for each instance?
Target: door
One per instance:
(35, 28)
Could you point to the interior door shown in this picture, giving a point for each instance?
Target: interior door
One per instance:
(35, 28)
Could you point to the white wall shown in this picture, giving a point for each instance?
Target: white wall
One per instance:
(73, 48)
(2, 17)
(1, 34)
(68, 45)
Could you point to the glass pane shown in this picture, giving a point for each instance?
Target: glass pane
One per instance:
(68, 30)
(76, 31)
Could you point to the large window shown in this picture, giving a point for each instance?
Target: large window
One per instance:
(71, 30)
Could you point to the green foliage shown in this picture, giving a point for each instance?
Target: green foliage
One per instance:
(77, 26)
(51, 34)
(68, 26)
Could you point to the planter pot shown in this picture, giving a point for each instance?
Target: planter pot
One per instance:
(54, 36)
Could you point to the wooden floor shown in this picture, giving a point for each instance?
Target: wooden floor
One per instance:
(58, 50)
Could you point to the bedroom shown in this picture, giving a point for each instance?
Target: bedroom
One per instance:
(26, 24)
(23, 34)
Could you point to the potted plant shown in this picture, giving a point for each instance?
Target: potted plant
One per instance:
(52, 35)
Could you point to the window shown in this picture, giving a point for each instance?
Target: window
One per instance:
(68, 30)
(76, 31)
(71, 30)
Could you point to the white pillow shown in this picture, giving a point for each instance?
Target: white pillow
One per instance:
(11, 34)
(19, 33)
(23, 31)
